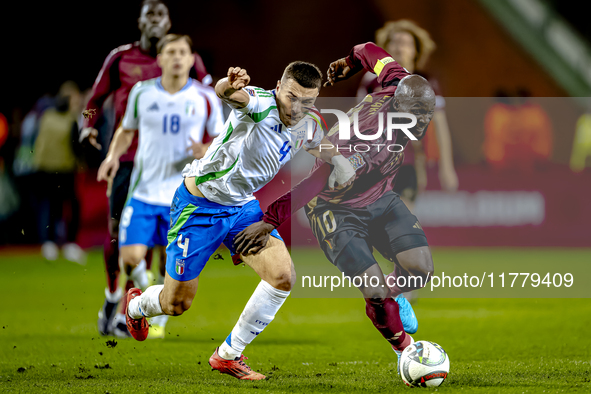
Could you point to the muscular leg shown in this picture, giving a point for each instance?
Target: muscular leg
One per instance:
(177, 297)
(173, 298)
(134, 264)
(273, 264)
(416, 266)
(381, 309)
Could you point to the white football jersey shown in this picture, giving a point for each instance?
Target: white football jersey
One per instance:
(250, 151)
(166, 124)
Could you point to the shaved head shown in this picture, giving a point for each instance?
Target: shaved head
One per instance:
(415, 95)
(414, 86)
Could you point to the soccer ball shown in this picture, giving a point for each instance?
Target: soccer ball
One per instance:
(423, 364)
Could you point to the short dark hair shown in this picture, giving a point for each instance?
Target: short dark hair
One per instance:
(306, 74)
(167, 39)
(153, 2)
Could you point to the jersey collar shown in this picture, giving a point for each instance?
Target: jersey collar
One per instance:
(187, 85)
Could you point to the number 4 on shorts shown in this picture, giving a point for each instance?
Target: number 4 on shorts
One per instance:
(183, 246)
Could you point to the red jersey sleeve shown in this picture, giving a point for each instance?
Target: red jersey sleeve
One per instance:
(200, 71)
(281, 209)
(376, 60)
(105, 83)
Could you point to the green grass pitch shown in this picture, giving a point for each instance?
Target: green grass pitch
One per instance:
(49, 340)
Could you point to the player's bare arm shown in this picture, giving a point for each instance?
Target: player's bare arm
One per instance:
(198, 149)
(253, 239)
(339, 70)
(447, 173)
(121, 142)
(229, 89)
(89, 134)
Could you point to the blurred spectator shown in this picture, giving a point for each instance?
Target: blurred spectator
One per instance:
(411, 46)
(8, 196)
(55, 154)
(582, 143)
(518, 135)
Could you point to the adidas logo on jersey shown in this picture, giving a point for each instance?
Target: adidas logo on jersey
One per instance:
(153, 107)
(277, 128)
(417, 225)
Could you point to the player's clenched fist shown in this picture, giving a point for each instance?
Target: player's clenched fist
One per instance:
(337, 71)
(238, 78)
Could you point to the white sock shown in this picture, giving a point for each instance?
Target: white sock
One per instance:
(258, 313)
(148, 304)
(140, 276)
(113, 298)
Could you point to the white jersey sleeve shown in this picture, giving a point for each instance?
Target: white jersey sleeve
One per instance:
(255, 103)
(131, 118)
(318, 132)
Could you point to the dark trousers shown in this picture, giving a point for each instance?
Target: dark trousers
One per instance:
(57, 205)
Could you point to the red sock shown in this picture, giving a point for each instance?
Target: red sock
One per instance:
(391, 283)
(148, 258)
(385, 317)
(111, 256)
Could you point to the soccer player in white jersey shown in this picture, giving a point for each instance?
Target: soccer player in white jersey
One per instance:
(172, 114)
(215, 202)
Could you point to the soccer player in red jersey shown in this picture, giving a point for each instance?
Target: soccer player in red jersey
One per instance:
(123, 68)
(366, 214)
(412, 46)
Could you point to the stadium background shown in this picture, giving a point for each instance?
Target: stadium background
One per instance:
(481, 54)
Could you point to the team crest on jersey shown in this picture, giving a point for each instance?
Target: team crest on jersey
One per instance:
(356, 161)
(180, 266)
(190, 108)
(250, 92)
(301, 136)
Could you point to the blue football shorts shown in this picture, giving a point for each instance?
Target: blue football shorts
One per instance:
(198, 227)
(143, 224)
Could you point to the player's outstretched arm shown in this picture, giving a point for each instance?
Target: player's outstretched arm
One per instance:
(121, 142)
(366, 56)
(339, 70)
(103, 86)
(343, 173)
(254, 238)
(229, 89)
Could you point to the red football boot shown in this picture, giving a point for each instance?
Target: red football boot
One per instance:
(235, 368)
(138, 328)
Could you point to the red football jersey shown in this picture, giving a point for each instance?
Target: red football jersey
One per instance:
(375, 170)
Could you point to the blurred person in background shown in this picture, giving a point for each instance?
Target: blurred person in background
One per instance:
(518, 134)
(55, 152)
(123, 68)
(9, 201)
(582, 142)
(411, 47)
(169, 113)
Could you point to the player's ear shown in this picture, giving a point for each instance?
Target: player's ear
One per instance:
(192, 60)
(158, 61)
(278, 85)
